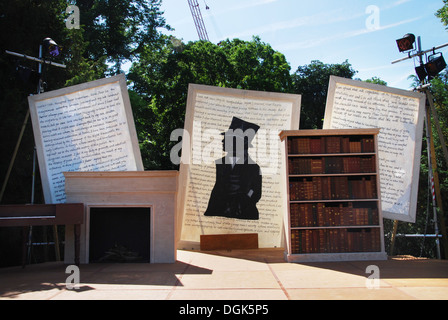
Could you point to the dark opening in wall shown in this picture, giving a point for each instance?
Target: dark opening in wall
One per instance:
(119, 234)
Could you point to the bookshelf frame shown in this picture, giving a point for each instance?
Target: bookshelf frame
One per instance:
(337, 212)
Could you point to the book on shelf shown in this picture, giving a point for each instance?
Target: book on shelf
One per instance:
(332, 214)
(317, 166)
(333, 188)
(316, 145)
(331, 165)
(335, 240)
(330, 144)
(367, 145)
(333, 144)
(334, 165)
(299, 146)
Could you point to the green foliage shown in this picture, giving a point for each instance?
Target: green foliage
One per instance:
(312, 82)
(165, 69)
(118, 29)
(79, 68)
(442, 13)
(376, 80)
(256, 66)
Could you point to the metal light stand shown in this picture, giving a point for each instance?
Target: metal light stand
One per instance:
(429, 148)
(432, 166)
(41, 61)
(40, 89)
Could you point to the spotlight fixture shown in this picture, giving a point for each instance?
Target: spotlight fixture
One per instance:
(406, 43)
(436, 63)
(27, 75)
(421, 72)
(51, 47)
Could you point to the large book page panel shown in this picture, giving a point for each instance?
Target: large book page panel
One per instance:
(87, 127)
(399, 114)
(210, 112)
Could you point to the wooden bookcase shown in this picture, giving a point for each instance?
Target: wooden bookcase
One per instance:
(334, 206)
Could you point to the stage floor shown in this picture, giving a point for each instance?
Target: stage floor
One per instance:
(232, 275)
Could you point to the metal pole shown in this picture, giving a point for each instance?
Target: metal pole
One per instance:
(34, 176)
(420, 53)
(35, 59)
(40, 83)
(430, 176)
(419, 235)
(16, 149)
(25, 122)
(394, 235)
(40, 89)
(419, 49)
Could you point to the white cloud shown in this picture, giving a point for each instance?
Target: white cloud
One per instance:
(401, 81)
(397, 3)
(317, 41)
(319, 19)
(241, 6)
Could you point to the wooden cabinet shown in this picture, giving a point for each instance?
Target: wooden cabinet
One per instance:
(334, 206)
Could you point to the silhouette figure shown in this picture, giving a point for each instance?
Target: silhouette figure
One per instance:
(238, 178)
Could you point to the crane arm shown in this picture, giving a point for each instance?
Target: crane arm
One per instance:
(198, 21)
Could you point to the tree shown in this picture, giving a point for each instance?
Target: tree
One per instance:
(165, 69)
(312, 82)
(112, 33)
(376, 80)
(119, 29)
(442, 13)
(256, 66)
(80, 69)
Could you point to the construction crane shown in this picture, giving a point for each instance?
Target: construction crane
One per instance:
(198, 21)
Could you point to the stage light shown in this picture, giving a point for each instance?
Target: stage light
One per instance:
(27, 75)
(421, 72)
(406, 43)
(436, 63)
(51, 47)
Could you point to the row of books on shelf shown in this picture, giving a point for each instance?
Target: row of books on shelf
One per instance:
(335, 240)
(332, 188)
(327, 215)
(331, 144)
(331, 165)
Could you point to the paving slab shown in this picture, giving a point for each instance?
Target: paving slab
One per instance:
(349, 294)
(260, 274)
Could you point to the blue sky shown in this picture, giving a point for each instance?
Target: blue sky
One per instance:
(332, 31)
